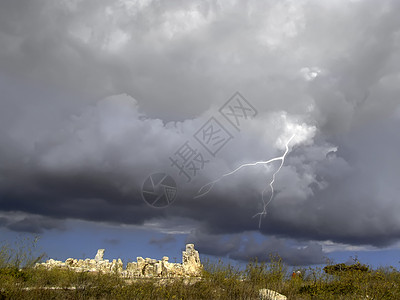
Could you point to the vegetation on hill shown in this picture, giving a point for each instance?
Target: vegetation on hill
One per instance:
(19, 280)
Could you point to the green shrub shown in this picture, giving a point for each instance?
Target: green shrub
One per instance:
(13, 273)
(339, 269)
(23, 254)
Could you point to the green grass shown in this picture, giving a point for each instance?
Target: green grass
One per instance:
(19, 280)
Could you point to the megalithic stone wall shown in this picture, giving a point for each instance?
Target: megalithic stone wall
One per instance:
(143, 267)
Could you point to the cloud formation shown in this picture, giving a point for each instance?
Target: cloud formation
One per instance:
(98, 95)
(245, 247)
(169, 238)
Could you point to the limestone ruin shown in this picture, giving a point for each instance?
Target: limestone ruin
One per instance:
(266, 294)
(143, 267)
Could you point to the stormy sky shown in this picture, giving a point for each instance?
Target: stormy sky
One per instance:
(98, 95)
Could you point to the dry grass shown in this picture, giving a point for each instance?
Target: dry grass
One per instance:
(18, 280)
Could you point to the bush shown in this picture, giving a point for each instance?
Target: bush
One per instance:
(23, 254)
(340, 269)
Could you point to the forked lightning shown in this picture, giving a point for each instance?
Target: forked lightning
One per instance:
(211, 184)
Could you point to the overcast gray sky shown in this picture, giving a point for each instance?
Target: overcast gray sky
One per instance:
(97, 95)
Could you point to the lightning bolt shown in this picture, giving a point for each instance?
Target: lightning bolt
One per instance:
(211, 184)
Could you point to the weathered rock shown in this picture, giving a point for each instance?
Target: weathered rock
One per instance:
(100, 254)
(190, 266)
(191, 261)
(266, 294)
(117, 266)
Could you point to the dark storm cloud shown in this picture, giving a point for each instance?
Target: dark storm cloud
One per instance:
(245, 247)
(168, 238)
(30, 223)
(112, 241)
(89, 89)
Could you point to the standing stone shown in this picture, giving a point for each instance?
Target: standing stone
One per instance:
(191, 261)
(99, 255)
(140, 265)
(157, 269)
(133, 270)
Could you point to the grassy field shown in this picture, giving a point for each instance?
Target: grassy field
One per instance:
(19, 280)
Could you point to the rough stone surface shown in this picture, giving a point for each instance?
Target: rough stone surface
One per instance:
(191, 261)
(100, 254)
(147, 268)
(266, 294)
